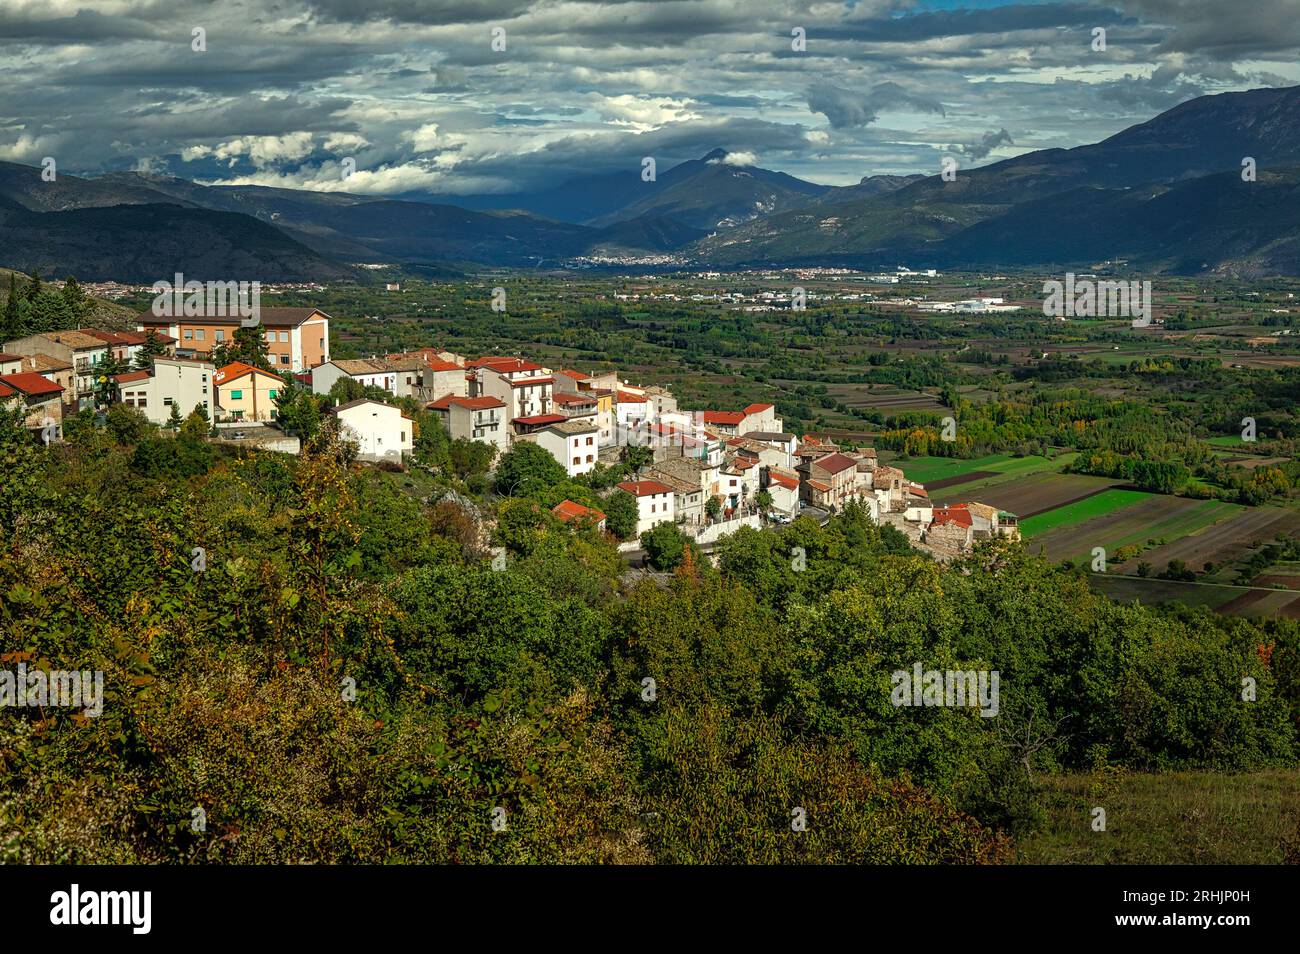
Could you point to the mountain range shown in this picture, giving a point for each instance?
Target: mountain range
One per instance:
(1165, 195)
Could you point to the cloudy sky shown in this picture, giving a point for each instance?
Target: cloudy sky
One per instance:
(414, 92)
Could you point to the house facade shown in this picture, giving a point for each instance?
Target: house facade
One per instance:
(297, 339)
(654, 502)
(382, 432)
(246, 393)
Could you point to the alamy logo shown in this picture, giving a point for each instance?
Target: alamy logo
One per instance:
(59, 688)
(103, 907)
(194, 299)
(1099, 299)
(952, 688)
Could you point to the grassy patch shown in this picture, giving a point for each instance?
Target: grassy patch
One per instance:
(1096, 506)
(1168, 818)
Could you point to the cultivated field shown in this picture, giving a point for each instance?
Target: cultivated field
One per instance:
(1155, 520)
(1026, 496)
(1070, 515)
(1222, 543)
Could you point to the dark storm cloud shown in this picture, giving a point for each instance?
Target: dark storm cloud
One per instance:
(986, 144)
(846, 109)
(413, 90)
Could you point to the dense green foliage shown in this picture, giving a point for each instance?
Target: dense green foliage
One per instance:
(350, 679)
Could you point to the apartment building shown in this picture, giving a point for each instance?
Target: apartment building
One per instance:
(182, 383)
(473, 419)
(297, 339)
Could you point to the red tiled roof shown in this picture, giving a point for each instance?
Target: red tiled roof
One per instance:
(5, 356)
(755, 408)
(6, 390)
(236, 370)
(723, 417)
(568, 511)
(130, 376)
(819, 485)
(29, 382)
(835, 463)
(576, 375)
(573, 399)
(790, 483)
(627, 397)
(473, 403)
(644, 488)
(540, 419)
(530, 382)
(504, 365)
(957, 513)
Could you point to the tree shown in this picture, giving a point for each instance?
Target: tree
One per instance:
(151, 349)
(620, 514)
(127, 425)
(75, 298)
(248, 346)
(764, 500)
(525, 468)
(637, 457)
(174, 421)
(713, 507)
(33, 290)
(664, 545)
(11, 324)
(297, 410)
(108, 368)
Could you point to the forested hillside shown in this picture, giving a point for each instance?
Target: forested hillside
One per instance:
(344, 676)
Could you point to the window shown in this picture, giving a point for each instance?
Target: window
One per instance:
(189, 334)
(402, 435)
(284, 359)
(270, 336)
(284, 337)
(273, 394)
(219, 334)
(588, 458)
(588, 441)
(236, 395)
(198, 334)
(167, 402)
(577, 461)
(652, 508)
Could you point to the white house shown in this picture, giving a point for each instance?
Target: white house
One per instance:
(473, 418)
(381, 431)
(184, 383)
(654, 502)
(575, 444)
(365, 371)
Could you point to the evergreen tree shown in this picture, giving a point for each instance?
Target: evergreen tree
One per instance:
(105, 386)
(11, 322)
(151, 348)
(174, 421)
(33, 285)
(78, 303)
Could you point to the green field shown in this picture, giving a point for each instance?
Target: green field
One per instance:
(1096, 506)
(925, 469)
(1003, 467)
(1168, 819)
(1145, 525)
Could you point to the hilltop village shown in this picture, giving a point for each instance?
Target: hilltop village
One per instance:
(707, 471)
